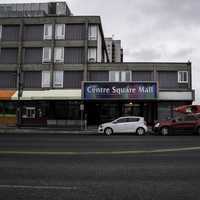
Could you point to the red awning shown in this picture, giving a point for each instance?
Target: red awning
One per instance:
(188, 109)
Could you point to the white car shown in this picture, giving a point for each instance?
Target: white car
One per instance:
(129, 124)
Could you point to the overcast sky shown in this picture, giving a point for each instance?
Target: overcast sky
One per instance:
(150, 30)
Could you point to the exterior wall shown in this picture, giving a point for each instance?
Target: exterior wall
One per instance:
(168, 79)
(142, 75)
(74, 55)
(75, 32)
(10, 33)
(33, 32)
(32, 55)
(34, 9)
(32, 79)
(109, 48)
(99, 46)
(98, 76)
(8, 79)
(73, 79)
(116, 54)
(8, 56)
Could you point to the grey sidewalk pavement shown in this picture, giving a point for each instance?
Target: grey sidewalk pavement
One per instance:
(51, 130)
(45, 130)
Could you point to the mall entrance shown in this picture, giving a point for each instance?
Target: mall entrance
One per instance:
(98, 112)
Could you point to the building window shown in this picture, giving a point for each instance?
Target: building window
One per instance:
(58, 79)
(46, 55)
(47, 31)
(59, 55)
(0, 32)
(92, 32)
(120, 76)
(46, 79)
(60, 32)
(29, 112)
(114, 76)
(126, 76)
(92, 54)
(182, 77)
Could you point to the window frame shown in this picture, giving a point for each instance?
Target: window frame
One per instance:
(48, 36)
(181, 76)
(45, 60)
(114, 74)
(119, 76)
(92, 35)
(62, 36)
(56, 83)
(90, 55)
(61, 59)
(46, 77)
(26, 114)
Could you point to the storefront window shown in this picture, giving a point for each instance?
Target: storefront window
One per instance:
(1, 108)
(109, 112)
(10, 108)
(164, 111)
(74, 110)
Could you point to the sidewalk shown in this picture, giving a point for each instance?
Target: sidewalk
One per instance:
(46, 130)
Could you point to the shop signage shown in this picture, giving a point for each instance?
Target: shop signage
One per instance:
(119, 90)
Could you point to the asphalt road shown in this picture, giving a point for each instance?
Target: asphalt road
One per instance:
(99, 167)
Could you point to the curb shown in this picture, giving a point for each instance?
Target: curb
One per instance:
(46, 131)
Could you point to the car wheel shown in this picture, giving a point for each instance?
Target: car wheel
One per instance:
(164, 131)
(140, 131)
(108, 131)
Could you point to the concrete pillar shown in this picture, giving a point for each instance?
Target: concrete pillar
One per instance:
(85, 73)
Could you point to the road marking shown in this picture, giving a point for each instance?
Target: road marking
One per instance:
(38, 187)
(70, 153)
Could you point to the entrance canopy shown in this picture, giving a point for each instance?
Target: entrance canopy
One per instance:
(50, 95)
(6, 94)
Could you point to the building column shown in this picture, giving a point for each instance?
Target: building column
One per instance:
(85, 73)
(19, 75)
(52, 54)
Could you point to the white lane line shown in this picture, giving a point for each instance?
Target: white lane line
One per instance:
(38, 187)
(70, 153)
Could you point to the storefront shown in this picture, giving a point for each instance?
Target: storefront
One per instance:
(96, 103)
(7, 108)
(105, 101)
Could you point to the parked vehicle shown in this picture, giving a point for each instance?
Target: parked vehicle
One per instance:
(188, 123)
(129, 124)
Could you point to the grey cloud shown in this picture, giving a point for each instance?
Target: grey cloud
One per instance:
(147, 54)
(172, 12)
(182, 53)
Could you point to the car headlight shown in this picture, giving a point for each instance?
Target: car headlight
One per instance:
(157, 125)
(101, 126)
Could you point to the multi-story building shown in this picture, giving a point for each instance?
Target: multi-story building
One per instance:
(55, 71)
(114, 49)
